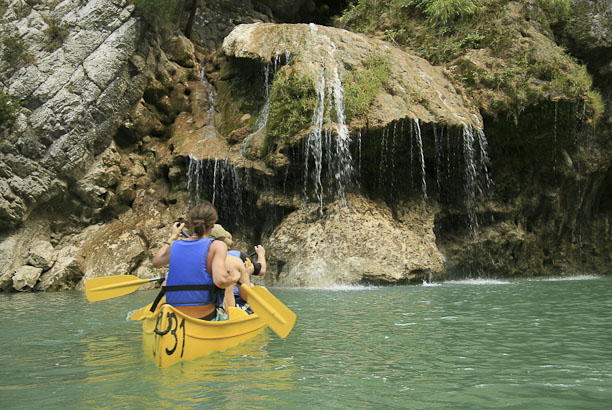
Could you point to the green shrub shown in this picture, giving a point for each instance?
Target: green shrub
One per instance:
(292, 104)
(162, 14)
(9, 109)
(442, 13)
(361, 87)
(15, 52)
(56, 33)
(556, 9)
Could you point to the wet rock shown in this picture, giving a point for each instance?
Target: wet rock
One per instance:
(349, 244)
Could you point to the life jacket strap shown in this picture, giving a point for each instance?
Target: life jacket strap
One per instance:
(178, 288)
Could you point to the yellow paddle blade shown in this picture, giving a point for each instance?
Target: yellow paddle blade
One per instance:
(235, 313)
(108, 287)
(140, 313)
(271, 310)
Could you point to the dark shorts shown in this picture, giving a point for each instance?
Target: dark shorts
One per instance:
(210, 316)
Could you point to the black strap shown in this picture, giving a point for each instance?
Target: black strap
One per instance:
(256, 269)
(178, 288)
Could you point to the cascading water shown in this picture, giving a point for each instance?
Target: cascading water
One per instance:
(314, 144)
(268, 80)
(223, 184)
(262, 119)
(419, 140)
(460, 164)
(318, 145)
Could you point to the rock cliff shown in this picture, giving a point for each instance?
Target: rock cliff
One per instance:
(350, 158)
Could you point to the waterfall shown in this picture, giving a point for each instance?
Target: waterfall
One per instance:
(329, 157)
(344, 163)
(470, 177)
(194, 172)
(476, 171)
(262, 119)
(382, 172)
(223, 184)
(314, 144)
(419, 139)
(438, 159)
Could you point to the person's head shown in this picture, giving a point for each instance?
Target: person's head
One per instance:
(221, 234)
(202, 218)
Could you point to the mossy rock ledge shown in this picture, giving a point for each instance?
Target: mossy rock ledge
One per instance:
(381, 84)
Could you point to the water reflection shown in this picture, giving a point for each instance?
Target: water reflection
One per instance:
(224, 379)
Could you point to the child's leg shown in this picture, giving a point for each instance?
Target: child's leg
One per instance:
(228, 298)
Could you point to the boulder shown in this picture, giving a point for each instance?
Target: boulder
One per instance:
(113, 249)
(65, 273)
(327, 56)
(25, 277)
(180, 50)
(41, 255)
(352, 243)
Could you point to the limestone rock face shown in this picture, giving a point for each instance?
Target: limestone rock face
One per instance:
(75, 91)
(113, 249)
(348, 244)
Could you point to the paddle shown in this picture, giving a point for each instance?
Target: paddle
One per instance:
(108, 287)
(140, 313)
(271, 310)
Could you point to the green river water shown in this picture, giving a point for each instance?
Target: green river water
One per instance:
(474, 344)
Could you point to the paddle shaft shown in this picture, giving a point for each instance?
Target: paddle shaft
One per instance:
(127, 284)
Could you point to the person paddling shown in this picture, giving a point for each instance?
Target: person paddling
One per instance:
(197, 265)
(239, 297)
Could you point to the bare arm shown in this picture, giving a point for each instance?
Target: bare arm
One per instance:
(236, 266)
(229, 298)
(261, 258)
(222, 277)
(162, 257)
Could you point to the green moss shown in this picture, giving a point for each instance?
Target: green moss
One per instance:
(595, 105)
(361, 87)
(292, 104)
(443, 31)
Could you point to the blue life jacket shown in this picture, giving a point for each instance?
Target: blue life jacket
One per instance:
(188, 267)
(237, 254)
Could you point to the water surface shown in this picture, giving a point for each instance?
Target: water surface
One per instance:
(524, 344)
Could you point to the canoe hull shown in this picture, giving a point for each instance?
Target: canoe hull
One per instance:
(169, 336)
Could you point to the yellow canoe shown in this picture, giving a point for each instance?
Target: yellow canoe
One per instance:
(170, 336)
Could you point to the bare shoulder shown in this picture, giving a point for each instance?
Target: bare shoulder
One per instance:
(233, 261)
(218, 246)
